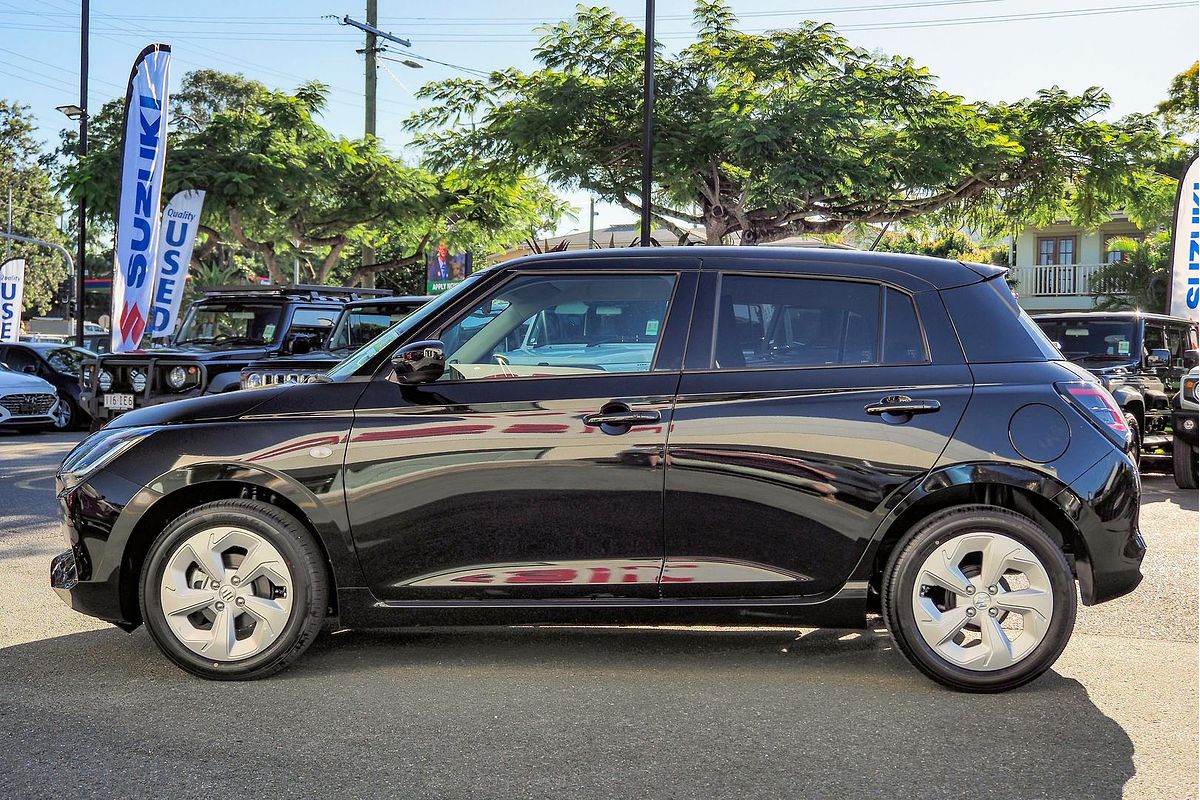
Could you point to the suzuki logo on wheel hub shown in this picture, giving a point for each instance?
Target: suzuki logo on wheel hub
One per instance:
(227, 592)
(982, 600)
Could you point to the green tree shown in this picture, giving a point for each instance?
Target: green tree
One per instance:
(283, 190)
(1139, 280)
(1180, 110)
(34, 207)
(787, 132)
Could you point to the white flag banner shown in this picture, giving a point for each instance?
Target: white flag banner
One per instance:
(1185, 246)
(12, 294)
(177, 236)
(143, 159)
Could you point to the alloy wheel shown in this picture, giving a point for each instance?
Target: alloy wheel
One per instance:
(983, 601)
(62, 414)
(226, 593)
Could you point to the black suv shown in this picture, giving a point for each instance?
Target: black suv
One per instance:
(1140, 358)
(360, 322)
(220, 333)
(660, 435)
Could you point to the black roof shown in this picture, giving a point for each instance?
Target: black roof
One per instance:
(303, 292)
(403, 300)
(49, 345)
(1129, 315)
(938, 273)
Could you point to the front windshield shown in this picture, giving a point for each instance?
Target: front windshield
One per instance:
(1092, 340)
(384, 341)
(246, 323)
(68, 360)
(361, 324)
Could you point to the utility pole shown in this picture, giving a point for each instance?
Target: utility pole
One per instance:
(8, 242)
(648, 124)
(591, 221)
(80, 253)
(371, 86)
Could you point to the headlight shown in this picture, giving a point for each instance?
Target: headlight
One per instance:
(1189, 389)
(99, 449)
(138, 379)
(105, 380)
(252, 381)
(177, 377)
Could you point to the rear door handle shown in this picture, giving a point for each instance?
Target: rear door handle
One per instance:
(622, 418)
(903, 405)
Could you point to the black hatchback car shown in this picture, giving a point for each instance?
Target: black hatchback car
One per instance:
(671, 435)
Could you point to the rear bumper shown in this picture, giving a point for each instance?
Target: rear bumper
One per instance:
(1104, 504)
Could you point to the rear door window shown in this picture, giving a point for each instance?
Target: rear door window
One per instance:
(768, 322)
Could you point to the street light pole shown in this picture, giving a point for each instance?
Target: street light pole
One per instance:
(648, 124)
(80, 254)
(372, 83)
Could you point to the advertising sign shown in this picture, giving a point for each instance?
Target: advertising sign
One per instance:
(444, 269)
(1185, 247)
(177, 235)
(12, 294)
(143, 159)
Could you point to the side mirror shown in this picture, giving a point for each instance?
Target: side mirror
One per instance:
(298, 344)
(419, 362)
(30, 368)
(1191, 358)
(1159, 357)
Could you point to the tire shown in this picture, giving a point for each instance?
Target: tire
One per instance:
(1135, 447)
(999, 668)
(1184, 466)
(270, 619)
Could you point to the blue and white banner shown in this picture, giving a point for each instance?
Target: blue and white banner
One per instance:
(177, 236)
(12, 294)
(1185, 247)
(143, 160)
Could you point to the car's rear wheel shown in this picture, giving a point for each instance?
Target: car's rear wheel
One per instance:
(979, 598)
(234, 590)
(1184, 464)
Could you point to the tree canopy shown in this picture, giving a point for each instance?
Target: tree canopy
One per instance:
(786, 132)
(35, 208)
(281, 188)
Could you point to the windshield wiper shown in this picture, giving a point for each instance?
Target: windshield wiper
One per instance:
(1104, 357)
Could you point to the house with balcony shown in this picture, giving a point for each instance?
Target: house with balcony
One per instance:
(1055, 266)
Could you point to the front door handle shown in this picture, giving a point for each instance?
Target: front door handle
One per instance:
(903, 406)
(619, 415)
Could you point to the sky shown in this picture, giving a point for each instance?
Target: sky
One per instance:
(981, 49)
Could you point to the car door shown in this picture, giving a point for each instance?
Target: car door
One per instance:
(805, 402)
(519, 476)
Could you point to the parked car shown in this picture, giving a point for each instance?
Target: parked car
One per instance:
(26, 401)
(818, 435)
(220, 333)
(1185, 464)
(1140, 358)
(360, 322)
(43, 338)
(59, 365)
(98, 342)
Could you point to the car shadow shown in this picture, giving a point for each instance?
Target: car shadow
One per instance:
(541, 711)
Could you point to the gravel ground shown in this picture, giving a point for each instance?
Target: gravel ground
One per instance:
(87, 710)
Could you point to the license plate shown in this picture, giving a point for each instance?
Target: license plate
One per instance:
(118, 402)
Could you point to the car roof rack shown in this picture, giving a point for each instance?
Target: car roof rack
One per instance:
(300, 291)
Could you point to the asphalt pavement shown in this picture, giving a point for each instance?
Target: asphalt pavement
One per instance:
(89, 711)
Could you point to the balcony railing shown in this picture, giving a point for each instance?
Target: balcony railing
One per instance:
(1059, 280)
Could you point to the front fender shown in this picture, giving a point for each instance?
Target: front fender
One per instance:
(1130, 400)
(201, 477)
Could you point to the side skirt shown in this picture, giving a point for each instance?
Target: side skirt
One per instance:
(846, 608)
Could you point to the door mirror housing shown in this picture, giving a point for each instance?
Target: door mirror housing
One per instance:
(297, 344)
(419, 362)
(1158, 357)
(30, 368)
(1191, 358)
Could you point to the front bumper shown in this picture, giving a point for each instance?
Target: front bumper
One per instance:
(1185, 424)
(1104, 503)
(88, 576)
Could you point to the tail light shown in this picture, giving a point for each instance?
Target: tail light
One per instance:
(1099, 407)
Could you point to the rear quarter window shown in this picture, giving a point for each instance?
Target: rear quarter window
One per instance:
(993, 328)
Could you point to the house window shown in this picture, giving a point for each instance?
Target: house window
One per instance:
(1116, 256)
(1056, 250)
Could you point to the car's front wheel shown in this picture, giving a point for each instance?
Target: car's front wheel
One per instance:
(234, 590)
(1184, 467)
(979, 598)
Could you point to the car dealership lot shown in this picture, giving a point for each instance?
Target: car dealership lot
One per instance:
(529, 712)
